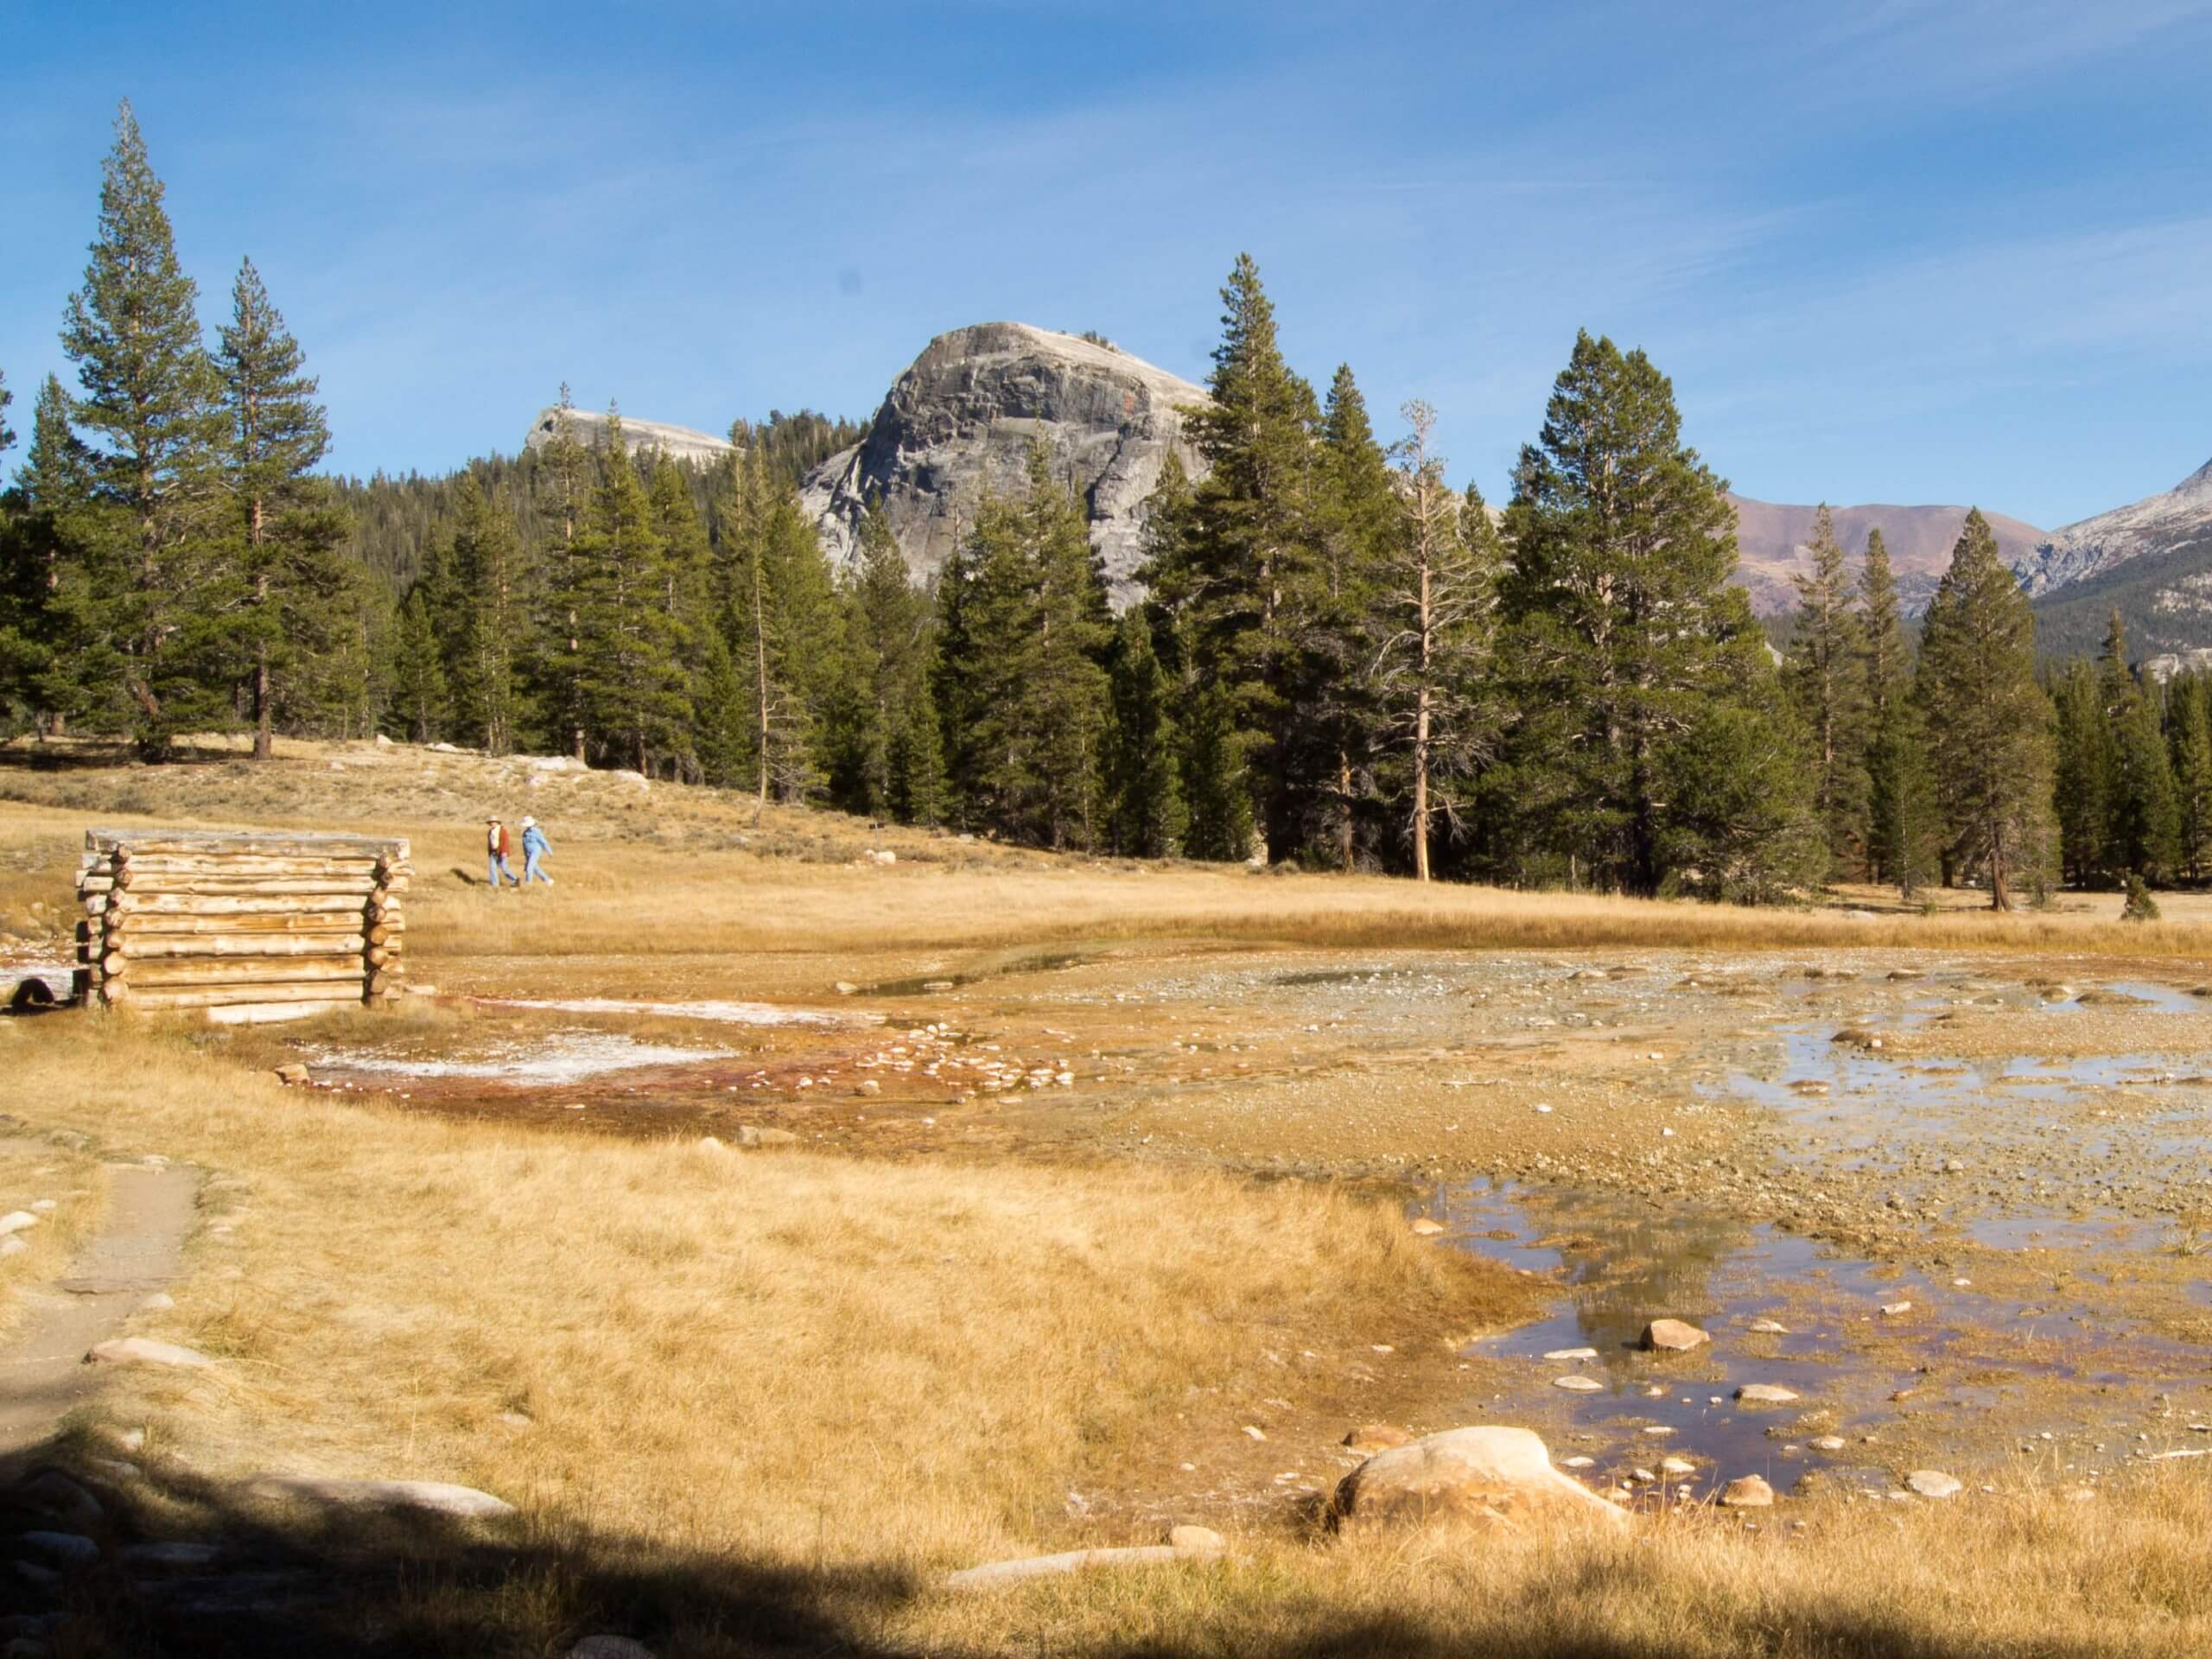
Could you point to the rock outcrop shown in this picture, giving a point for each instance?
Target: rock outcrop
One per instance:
(2174, 521)
(676, 443)
(1485, 1475)
(961, 419)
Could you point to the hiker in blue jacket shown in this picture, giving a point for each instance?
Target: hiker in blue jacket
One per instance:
(534, 846)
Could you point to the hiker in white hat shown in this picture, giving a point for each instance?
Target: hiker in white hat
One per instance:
(534, 846)
(496, 848)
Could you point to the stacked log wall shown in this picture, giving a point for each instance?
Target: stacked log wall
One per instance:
(240, 927)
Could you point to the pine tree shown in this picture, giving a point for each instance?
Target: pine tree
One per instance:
(2086, 767)
(1243, 577)
(2189, 736)
(1649, 749)
(418, 680)
(487, 631)
(888, 652)
(779, 604)
(1900, 822)
(2144, 830)
(153, 584)
(301, 593)
(629, 647)
(568, 467)
(1989, 734)
(1359, 522)
(1824, 674)
(917, 780)
(1433, 600)
(7, 432)
(40, 653)
(1145, 814)
(687, 584)
(1032, 627)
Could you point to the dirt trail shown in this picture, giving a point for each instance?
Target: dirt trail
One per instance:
(42, 1371)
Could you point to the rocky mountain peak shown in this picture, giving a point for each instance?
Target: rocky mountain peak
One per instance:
(677, 442)
(961, 419)
(2173, 521)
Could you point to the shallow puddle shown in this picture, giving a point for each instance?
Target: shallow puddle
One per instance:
(557, 1057)
(728, 1013)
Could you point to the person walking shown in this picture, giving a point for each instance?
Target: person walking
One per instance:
(496, 849)
(534, 846)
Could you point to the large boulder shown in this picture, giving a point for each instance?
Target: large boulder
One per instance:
(961, 420)
(1485, 1475)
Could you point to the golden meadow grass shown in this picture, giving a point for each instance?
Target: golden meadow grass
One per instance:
(830, 1379)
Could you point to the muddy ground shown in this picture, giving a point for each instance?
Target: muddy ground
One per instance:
(1962, 1200)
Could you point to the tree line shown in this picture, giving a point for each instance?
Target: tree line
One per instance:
(1337, 660)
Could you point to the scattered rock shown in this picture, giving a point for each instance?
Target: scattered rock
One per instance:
(992, 1573)
(437, 1497)
(749, 1134)
(145, 1351)
(1377, 1437)
(17, 1221)
(1768, 1328)
(1486, 1474)
(1933, 1483)
(60, 1499)
(1572, 1353)
(1673, 1337)
(177, 1557)
(160, 1302)
(1254, 1432)
(1423, 1226)
(846, 988)
(60, 1548)
(1829, 1443)
(1857, 1038)
(293, 1074)
(1747, 1493)
(1189, 1540)
(1578, 1463)
(12, 1245)
(1578, 1384)
(1678, 1466)
(1766, 1393)
(1890, 1309)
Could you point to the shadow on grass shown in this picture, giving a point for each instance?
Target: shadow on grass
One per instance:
(268, 1580)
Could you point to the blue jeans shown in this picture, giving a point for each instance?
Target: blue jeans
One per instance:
(531, 871)
(498, 867)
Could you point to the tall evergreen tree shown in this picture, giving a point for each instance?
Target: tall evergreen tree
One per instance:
(7, 432)
(487, 625)
(1025, 658)
(1989, 733)
(1900, 832)
(1360, 523)
(567, 467)
(2190, 736)
(779, 604)
(150, 582)
(1146, 817)
(2143, 833)
(1243, 576)
(2085, 765)
(630, 647)
(1651, 751)
(888, 650)
(1825, 675)
(300, 593)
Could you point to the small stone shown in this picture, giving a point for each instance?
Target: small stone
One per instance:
(1424, 1227)
(1890, 1309)
(145, 1351)
(846, 988)
(58, 1498)
(1254, 1432)
(1377, 1437)
(516, 1420)
(1933, 1483)
(1578, 1384)
(1769, 1328)
(177, 1557)
(1572, 1353)
(1656, 1431)
(60, 1548)
(44, 1207)
(1578, 1463)
(1747, 1493)
(750, 1135)
(1673, 1336)
(1678, 1466)
(12, 1246)
(17, 1221)
(293, 1074)
(438, 1496)
(1830, 1443)
(1766, 1393)
(609, 1647)
(1189, 1540)
(160, 1302)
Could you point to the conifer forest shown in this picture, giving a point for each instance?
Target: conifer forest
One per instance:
(1339, 659)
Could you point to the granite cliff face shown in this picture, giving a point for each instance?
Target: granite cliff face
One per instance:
(677, 442)
(961, 420)
(2173, 521)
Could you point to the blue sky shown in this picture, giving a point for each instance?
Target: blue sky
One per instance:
(1893, 252)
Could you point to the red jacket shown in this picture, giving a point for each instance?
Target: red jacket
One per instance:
(495, 840)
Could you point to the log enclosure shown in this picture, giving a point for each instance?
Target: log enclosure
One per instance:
(240, 928)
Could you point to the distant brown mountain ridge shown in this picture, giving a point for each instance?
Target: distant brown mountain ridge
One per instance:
(1770, 539)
